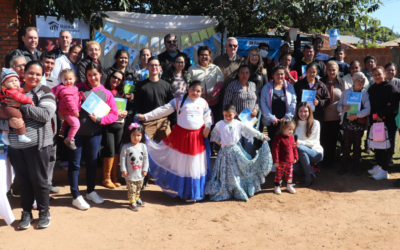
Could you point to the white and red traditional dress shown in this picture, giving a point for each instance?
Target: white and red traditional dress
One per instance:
(180, 163)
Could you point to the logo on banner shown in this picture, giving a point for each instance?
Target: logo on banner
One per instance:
(256, 42)
(53, 25)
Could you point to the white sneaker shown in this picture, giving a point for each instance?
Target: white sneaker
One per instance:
(277, 190)
(80, 203)
(374, 170)
(381, 175)
(93, 196)
(290, 188)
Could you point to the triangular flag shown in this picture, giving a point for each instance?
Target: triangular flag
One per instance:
(143, 40)
(110, 44)
(108, 27)
(211, 31)
(198, 45)
(218, 37)
(190, 52)
(210, 43)
(203, 35)
(124, 34)
(132, 54)
(99, 37)
(195, 37)
(154, 42)
(184, 40)
(162, 43)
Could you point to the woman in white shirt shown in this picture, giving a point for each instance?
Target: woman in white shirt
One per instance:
(355, 67)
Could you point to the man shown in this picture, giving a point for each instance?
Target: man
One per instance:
(64, 40)
(30, 40)
(69, 61)
(344, 68)
(48, 59)
(369, 64)
(171, 46)
(18, 63)
(307, 59)
(151, 94)
(284, 48)
(318, 43)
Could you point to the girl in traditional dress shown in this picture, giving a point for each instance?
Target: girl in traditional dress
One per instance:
(235, 173)
(180, 163)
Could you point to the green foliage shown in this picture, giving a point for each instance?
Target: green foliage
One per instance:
(369, 45)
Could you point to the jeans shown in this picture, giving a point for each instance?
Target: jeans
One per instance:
(308, 156)
(89, 145)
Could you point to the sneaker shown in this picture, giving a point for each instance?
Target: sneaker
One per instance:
(93, 196)
(53, 190)
(374, 170)
(140, 203)
(277, 190)
(44, 219)
(134, 206)
(70, 143)
(26, 220)
(290, 188)
(80, 203)
(381, 175)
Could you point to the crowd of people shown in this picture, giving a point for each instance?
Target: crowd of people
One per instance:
(183, 112)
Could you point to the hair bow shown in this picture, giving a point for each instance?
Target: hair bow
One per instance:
(133, 125)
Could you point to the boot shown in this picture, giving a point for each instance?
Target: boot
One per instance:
(107, 166)
(114, 171)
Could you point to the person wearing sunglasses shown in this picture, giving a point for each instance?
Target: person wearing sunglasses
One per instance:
(171, 46)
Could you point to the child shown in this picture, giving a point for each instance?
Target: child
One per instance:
(235, 173)
(182, 159)
(284, 154)
(10, 87)
(69, 104)
(134, 154)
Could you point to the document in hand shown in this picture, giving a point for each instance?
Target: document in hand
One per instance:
(121, 106)
(94, 105)
(246, 118)
(129, 87)
(309, 96)
(354, 101)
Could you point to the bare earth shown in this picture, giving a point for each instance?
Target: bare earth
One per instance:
(337, 212)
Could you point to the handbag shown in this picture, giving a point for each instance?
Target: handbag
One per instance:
(378, 130)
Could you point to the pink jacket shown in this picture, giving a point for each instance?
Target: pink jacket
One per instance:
(69, 99)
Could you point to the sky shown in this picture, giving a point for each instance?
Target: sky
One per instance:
(389, 14)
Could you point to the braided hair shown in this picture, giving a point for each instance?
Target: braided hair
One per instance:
(193, 83)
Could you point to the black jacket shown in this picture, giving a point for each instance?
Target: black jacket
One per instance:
(130, 74)
(380, 95)
(22, 51)
(58, 52)
(166, 60)
(321, 94)
(321, 69)
(257, 76)
(82, 68)
(169, 76)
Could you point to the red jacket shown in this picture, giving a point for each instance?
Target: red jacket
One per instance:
(283, 149)
(15, 94)
(69, 99)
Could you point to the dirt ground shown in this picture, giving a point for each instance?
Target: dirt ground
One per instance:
(337, 212)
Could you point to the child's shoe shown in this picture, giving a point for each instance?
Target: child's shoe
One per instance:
(290, 188)
(277, 190)
(23, 138)
(140, 203)
(4, 138)
(70, 143)
(134, 206)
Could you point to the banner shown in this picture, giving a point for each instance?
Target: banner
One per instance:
(110, 44)
(247, 43)
(210, 43)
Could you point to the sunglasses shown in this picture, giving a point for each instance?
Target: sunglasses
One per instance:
(233, 45)
(116, 78)
(172, 41)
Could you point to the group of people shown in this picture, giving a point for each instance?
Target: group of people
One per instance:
(180, 113)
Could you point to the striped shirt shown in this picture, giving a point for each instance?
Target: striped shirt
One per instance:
(241, 99)
(37, 119)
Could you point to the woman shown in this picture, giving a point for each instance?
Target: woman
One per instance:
(384, 99)
(88, 137)
(68, 61)
(286, 61)
(331, 127)
(354, 68)
(258, 74)
(278, 101)
(177, 76)
(112, 133)
(322, 97)
(390, 72)
(121, 64)
(353, 124)
(308, 144)
(31, 159)
(93, 51)
(243, 94)
(144, 56)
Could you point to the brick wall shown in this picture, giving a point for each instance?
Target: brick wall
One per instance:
(8, 29)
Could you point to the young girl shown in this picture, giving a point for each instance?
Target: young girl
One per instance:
(134, 154)
(284, 154)
(235, 173)
(69, 104)
(182, 159)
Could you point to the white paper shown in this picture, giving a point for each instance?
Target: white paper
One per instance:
(154, 42)
(110, 44)
(196, 47)
(132, 54)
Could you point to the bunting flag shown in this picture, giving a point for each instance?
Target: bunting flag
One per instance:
(203, 35)
(154, 42)
(120, 46)
(185, 40)
(124, 34)
(218, 37)
(190, 52)
(211, 31)
(108, 27)
(143, 40)
(198, 45)
(99, 37)
(110, 44)
(162, 43)
(210, 43)
(195, 37)
(132, 55)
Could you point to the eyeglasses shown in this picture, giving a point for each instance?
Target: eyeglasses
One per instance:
(171, 41)
(116, 78)
(154, 65)
(254, 56)
(180, 63)
(377, 75)
(20, 66)
(233, 45)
